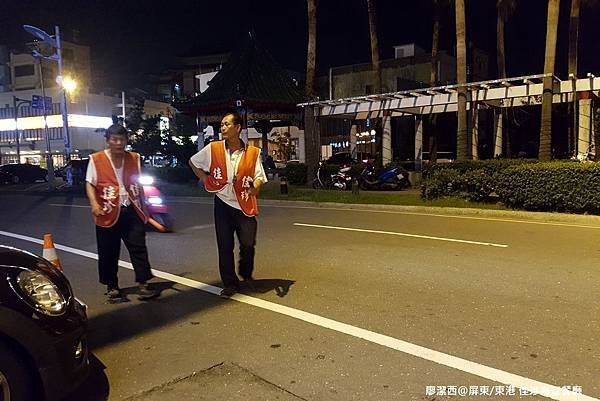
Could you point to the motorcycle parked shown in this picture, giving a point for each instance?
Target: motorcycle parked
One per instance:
(158, 212)
(340, 180)
(392, 178)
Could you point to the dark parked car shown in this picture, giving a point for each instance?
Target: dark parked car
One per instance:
(78, 170)
(25, 172)
(43, 327)
(5, 178)
(346, 158)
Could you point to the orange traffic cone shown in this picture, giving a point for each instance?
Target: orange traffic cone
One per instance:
(49, 252)
(159, 227)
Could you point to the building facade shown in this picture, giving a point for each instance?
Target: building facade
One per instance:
(410, 69)
(26, 136)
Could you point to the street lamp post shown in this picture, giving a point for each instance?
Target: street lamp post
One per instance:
(55, 43)
(49, 161)
(63, 97)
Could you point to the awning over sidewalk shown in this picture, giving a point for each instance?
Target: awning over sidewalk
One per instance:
(509, 92)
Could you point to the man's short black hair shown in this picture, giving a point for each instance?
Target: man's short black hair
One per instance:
(237, 119)
(116, 129)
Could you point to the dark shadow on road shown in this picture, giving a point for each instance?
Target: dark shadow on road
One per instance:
(95, 387)
(262, 286)
(175, 303)
(161, 287)
(139, 317)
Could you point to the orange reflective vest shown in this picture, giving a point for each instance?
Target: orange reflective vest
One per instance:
(242, 181)
(107, 187)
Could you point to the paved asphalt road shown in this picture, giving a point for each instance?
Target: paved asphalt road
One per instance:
(349, 305)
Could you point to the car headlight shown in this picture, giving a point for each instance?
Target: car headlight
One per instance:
(146, 180)
(41, 293)
(155, 200)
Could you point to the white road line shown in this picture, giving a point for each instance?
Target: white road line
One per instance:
(35, 187)
(500, 376)
(58, 205)
(200, 227)
(448, 216)
(403, 235)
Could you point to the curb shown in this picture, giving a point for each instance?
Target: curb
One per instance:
(542, 217)
(591, 220)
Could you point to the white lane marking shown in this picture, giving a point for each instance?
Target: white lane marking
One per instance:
(497, 375)
(33, 187)
(59, 205)
(200, 227)
(448, 216)
(403, 235)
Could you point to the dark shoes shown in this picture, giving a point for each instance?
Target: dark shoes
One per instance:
(113, 294)
(227, 292)
(248, 283)
(145, 292)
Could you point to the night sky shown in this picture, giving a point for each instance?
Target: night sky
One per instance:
(130, 38)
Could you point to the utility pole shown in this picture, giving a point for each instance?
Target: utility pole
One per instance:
(49, 161)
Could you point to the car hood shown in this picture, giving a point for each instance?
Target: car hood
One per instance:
(14, 258)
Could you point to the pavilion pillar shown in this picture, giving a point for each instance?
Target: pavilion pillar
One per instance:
(353, 130)
(386, 140)
(418, 143)
(498, 133)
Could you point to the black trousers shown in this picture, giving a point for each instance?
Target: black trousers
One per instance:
(229, 220)
(131, 230)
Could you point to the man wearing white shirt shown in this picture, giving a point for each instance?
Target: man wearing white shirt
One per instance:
(233, 171)
(117, 202)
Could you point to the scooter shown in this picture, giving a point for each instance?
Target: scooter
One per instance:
(158, 218)
(321, 180)
(342, 180)
(392, 178)
(339, 180)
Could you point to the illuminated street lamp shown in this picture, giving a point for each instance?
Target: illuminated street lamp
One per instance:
(69, 84)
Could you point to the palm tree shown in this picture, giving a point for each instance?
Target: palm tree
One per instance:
(311, 135)
(573, 41)
(312, 49)
(545, 150)
(505, 10)
(374, 45)
(462, 149)
(376, 67)
(573, 36)
(438, 5)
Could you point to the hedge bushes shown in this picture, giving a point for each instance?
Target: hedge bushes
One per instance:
(555, 186)
(488, 166)
(296, 173)
(563, 186)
